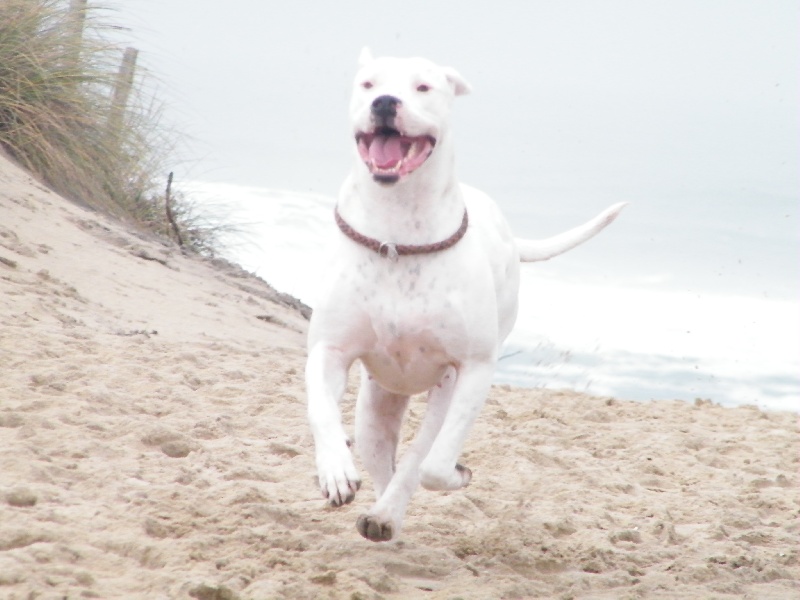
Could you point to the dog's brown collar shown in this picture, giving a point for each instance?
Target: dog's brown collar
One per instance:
(392, 250)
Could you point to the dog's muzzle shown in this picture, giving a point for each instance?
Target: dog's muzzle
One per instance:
(388, 153)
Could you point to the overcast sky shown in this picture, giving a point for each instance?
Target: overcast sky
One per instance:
(571, 88)
(686, 108)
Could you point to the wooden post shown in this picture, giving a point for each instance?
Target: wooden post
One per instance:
(122, 89)
(76, 18)
(75, 21)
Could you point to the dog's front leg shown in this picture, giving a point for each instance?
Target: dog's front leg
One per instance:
(440, 469)
(385, 519)
(326, 380)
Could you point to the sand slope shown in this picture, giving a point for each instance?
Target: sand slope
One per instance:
(153, 444)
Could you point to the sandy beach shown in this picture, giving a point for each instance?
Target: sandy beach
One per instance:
(154, 444)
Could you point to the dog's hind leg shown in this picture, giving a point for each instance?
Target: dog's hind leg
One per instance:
(385, 518)
(379, 415)
(439, 469)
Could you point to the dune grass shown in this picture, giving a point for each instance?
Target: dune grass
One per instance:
(58, 69)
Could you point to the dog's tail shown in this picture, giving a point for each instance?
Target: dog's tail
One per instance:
(536, 250)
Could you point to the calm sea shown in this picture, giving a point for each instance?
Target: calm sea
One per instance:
(681, 298)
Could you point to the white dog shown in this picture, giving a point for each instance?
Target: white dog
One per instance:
(422, 291)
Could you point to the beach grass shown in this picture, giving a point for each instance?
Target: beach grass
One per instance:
(59, 65)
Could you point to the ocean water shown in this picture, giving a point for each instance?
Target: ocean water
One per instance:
(656, 307)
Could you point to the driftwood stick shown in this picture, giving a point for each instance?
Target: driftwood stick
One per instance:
(170, 215)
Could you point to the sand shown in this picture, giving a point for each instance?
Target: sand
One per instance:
(153, 444)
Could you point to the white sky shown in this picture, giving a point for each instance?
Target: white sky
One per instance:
(264, 84)
(688, 109)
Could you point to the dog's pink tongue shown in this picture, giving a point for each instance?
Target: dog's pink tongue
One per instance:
(386, 151)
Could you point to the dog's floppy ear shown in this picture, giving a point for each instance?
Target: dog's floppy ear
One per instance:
(454, 78)
(365, 56)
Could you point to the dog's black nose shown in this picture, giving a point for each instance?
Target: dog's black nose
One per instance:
(385, 107)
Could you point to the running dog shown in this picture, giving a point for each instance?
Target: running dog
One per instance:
(422, 291)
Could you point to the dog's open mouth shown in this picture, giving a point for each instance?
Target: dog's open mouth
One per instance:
(389, 155)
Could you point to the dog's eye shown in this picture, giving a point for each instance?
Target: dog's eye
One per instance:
(423, 88)
(366, 85)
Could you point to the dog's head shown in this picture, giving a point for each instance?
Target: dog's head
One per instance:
(399, 111)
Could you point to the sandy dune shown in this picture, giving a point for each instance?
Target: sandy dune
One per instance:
(153, 444)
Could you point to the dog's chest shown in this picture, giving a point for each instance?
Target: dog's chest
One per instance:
(414, 319)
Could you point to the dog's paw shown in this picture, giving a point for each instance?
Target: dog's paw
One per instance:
(452, 479)
(338, 478)
(375, 530)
